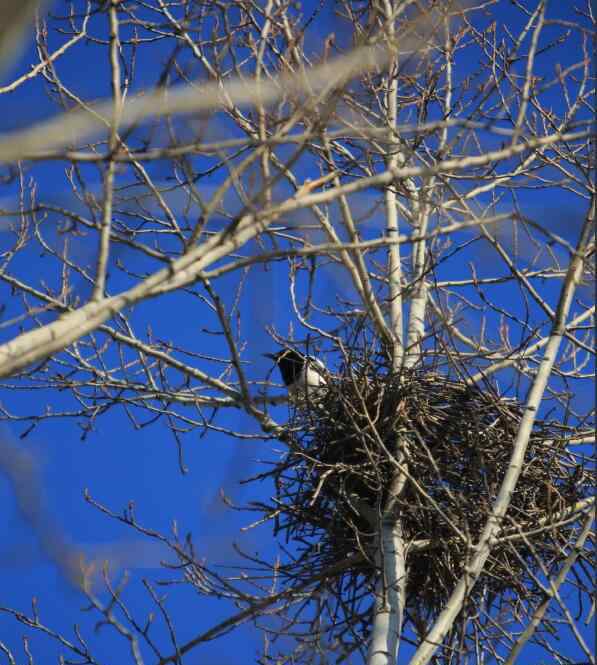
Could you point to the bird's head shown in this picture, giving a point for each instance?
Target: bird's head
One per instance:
(300, 373)
(286, 354)
(289, 362)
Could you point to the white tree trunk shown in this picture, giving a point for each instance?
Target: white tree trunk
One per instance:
(389, 597)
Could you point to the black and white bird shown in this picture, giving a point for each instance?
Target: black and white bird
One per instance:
(303, 376)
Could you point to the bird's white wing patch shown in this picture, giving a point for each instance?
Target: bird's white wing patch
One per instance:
(315, 378)
(312, 379)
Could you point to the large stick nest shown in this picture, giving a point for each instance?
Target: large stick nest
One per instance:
(457, 440)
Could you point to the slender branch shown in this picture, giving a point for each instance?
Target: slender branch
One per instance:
(57, 132)
(554, 585)
(106, 224)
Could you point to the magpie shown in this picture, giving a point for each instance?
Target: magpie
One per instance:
(302, 375)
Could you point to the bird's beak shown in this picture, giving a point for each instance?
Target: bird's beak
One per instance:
(272, 356)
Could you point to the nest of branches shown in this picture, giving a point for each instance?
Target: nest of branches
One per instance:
(456, 441)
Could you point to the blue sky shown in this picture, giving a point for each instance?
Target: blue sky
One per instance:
(118, 464)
